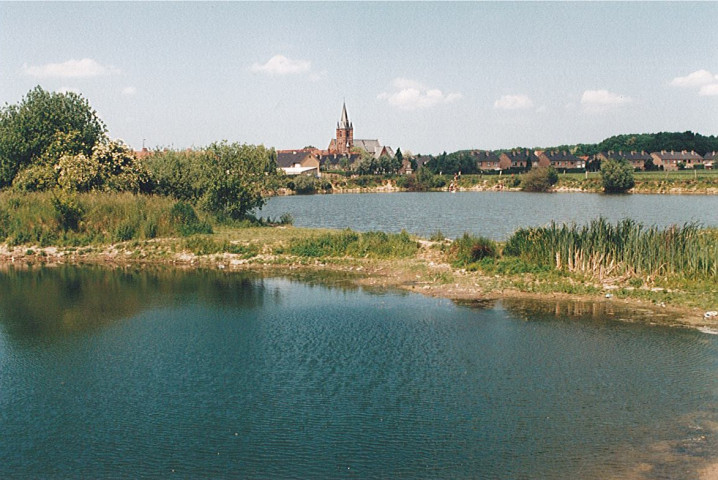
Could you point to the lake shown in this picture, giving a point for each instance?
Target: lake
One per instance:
(492, 214)
(134, 374)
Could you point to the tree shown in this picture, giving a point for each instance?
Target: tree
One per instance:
(43, 127)
(616, 176)
(539, 179)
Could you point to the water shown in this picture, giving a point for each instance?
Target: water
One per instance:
(124, 374)
(492, 214)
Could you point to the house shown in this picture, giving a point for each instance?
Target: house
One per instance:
(517, 159)
(560, 160)
(336, 161)
(636, 159)
(486, 160)
(344, 142)
(709, 160)
(298, 162)
(672, 160)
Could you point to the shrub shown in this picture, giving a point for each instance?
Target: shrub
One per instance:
(286, 219)
(184, 218)
(470, 249)
(69, 212)
(616, 176)
(539, 179)
(305, 185)
(36, 178)
(125, 231)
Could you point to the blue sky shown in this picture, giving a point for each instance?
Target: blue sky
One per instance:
(426, 77)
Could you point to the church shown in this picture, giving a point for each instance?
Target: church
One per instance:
(344, 142)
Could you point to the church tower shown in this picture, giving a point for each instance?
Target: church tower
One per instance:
(345, 133)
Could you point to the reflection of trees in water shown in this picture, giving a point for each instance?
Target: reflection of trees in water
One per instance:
(596, 310)
(60, 300)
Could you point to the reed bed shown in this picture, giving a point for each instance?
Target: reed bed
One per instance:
(606, 250)
(354, 244)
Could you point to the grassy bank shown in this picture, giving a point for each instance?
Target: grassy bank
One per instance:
(675, 266)
(683, 181)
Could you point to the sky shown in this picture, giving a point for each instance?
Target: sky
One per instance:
(426, 77)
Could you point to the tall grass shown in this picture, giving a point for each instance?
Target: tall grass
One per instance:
(48, 218)
(604, 249)
(353, 244)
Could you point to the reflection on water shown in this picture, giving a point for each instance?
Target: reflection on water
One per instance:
(124, 373)
(59, 300)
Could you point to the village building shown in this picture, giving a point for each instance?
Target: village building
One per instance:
(486, 160)
(637, 160)
(344, 143)
(672, 160)
(709, 160)
(517, 159)
(298, 162)
(560, 160)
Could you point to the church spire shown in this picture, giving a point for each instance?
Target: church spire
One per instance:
(344, 122)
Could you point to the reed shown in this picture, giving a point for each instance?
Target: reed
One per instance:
(357, 245)
(605, 250)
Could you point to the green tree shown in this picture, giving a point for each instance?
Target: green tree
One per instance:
(46, 124)
(539, 179)
(235, 176)
(616, 176)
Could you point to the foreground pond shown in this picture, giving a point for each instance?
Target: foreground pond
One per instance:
(204, 374)
(492, 214)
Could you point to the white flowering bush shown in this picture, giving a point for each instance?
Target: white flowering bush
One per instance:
(78, 173)
(112, 167)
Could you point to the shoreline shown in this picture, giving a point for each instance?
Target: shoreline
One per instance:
(427, 275)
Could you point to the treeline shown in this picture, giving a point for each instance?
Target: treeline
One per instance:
(55, 142)
(647, 142)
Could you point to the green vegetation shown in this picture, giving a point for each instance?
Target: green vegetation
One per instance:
(306, 185)
(602, 249)
(616, 176)
(43, 127)
(468, 249)
(353, 244)
(65, 219)
(539, 179)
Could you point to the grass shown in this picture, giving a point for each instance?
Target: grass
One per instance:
(602, 249)
(353, 244)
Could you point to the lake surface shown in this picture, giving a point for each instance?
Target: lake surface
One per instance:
(492, 214)
(125, 374)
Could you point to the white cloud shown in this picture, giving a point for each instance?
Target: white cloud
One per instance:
(698, 78)
(129, 91)
(513, 102)
(412, 95)
(86, 67)
(602, 100)
(281, 65)
(709, 90)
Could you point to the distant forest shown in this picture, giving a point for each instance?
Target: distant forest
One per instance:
(648, 142)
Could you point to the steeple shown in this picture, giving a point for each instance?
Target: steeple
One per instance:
(345, 133)
(344, 122)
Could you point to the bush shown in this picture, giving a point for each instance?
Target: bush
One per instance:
(69, 212)
(470, 249)
(616, 176)
(539, 179)
(184, 218)
(305, 185)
